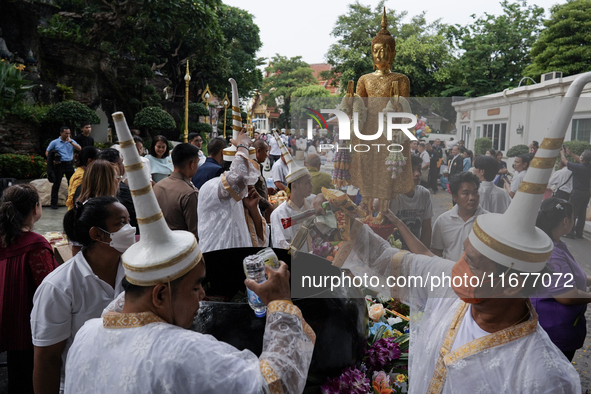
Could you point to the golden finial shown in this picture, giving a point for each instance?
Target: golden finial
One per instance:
(384, 19)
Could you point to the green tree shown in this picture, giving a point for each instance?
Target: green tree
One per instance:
(155, 120)
(286, 76)
(313, 96)
(423, 51)
(494, 50)
(70, 113)
(564, 44)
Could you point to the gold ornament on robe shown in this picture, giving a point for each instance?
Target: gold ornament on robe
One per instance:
(369, 171)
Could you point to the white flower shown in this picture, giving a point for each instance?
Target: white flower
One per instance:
(394, 320)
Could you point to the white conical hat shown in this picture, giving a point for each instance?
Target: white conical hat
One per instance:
(230, 151)
(161, 255)
(512, 238)
(295, 171)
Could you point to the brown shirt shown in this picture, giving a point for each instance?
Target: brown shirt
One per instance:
(177, 198)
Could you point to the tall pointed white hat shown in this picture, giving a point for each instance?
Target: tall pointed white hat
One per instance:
(295, 171)
(512, 238)
(230, 151)
(161, 255)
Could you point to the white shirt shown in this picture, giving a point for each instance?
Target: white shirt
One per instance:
(516, 181)
(424, 155)
(493, 198)
(202, 158)
(450, 231)
(413, 210)
(279, 172)
(468, 331)
(66, 299)
(275, 149)
(561, 180)
(282, 237)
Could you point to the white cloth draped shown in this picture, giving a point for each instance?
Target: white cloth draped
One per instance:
(282, 237)
(140, 353)
(222, 220)
(519, 359)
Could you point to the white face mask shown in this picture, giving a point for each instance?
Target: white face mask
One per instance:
(122, 239)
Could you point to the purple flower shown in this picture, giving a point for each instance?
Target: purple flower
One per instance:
(382, 353)
(351, 381)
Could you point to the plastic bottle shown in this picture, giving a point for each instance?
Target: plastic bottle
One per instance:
(269, 257)
(254, 267)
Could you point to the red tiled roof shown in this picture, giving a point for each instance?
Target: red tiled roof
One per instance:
(318, 68)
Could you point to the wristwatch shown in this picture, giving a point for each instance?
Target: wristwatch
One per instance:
(242, 146)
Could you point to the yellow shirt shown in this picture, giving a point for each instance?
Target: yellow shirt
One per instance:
(75, 181)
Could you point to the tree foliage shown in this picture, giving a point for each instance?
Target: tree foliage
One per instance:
(154, 120)
(285, 77)
(494, 50)
(564, 44)
(423, 51)
(70, 113)
(218, 40)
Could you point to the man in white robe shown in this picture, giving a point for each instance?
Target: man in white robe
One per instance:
(142, 346)
(495, 346)
(300, 200)
(227, 211)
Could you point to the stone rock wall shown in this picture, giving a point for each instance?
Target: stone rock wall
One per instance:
(18, 137)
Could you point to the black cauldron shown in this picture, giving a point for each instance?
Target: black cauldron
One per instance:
(338, 317)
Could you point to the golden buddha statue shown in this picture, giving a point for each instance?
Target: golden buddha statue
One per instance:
(370, 171)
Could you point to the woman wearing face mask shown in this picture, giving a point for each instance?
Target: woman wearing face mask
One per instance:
(160, 160)
(562, 308)
(80, 288)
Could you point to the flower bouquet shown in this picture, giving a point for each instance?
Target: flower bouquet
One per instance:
(384, 369)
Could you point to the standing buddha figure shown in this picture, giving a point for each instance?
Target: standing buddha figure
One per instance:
(382, 91)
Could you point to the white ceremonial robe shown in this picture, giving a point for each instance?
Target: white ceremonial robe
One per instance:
(518, 359)
(139, 353)
(222, 220)
(282, 237)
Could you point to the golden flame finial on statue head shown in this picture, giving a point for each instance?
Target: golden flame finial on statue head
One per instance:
(384, 36)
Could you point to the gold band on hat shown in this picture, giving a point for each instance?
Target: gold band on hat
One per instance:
(177, 275)
(237, 117)
(134, 167)
(150, 219)
(507, 250)
(235, 109)
(127, 144)
(118, 117)
(236, 128)
(542, 163)
(164, 264)
(142, 191)
(532, 188)
(552, 143)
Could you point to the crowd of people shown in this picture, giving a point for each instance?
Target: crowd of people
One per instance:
(225, 204)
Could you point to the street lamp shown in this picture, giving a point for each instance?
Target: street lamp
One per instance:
(226, 104)
(187, 79)
(206, 96)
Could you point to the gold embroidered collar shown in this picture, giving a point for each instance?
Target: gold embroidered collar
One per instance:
(130, 320)
(447, 357)
(305, 207)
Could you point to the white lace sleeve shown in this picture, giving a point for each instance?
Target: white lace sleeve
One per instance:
(288, 345)
(116, 305)
(243, 172)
